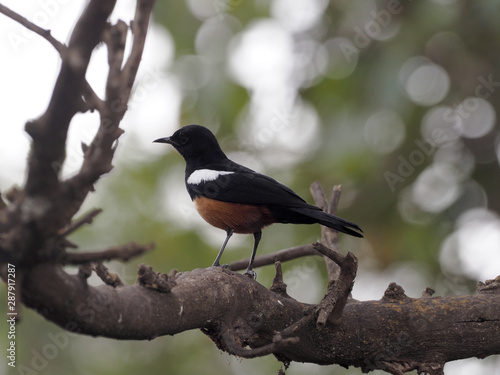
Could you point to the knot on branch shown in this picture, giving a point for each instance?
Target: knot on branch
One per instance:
(397, 367)
(489, 286)
(394, 292)
(158, 281)
(428, 292)
(402, 367)
(279, 287)
(109, 278)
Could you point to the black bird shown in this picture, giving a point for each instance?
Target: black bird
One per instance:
(237, 199)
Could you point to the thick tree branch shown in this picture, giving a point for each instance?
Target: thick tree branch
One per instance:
(99, 154)
(50, 130)
(394, 332)
(39, 212)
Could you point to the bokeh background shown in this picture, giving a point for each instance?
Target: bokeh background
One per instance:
(395, 100)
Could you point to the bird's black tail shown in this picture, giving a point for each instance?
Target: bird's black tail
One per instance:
(330, 221)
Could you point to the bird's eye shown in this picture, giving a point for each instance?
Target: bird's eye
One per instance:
(183, 140)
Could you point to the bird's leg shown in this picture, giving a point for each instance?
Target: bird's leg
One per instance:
(229, 232)
(249, 272)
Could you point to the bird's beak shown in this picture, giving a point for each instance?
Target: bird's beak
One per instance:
(164, 140)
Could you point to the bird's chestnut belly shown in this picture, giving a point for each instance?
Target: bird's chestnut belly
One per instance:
(242, 218)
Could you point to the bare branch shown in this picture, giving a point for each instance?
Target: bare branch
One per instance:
(140, 27)
(329, 253)
(49, 131)
(329, 236)
(75, 225)
(278, 343)
(489, 286)
(124, 252)
(332, 306)
(44, 33)
(281, 256)
(91, 98)
(99, 154)
(218, 300)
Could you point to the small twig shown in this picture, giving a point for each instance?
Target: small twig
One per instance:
(278, 344)
(329, 253)
(109, 278)
(319, 195)
(124, 252)
(428, 292)
(394, 292)
(84, 271)
(115, 38)
(489, 286)
(332, 306)
(281, 256)
(91, 98)
(87, 218)
(334, 200)
(139, 29)
(329, 236)
(397, 368)
(31, 26)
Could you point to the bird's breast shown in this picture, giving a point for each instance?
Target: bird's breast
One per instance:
(242, 218)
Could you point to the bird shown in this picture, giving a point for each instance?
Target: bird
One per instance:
(236, 199)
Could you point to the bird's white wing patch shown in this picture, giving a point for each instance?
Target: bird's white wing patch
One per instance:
(204, 175)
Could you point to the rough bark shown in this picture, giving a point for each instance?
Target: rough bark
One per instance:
(396, 333)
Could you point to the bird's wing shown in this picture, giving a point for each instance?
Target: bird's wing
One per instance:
(242, 185)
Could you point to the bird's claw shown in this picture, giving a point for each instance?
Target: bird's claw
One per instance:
(251, 274)
(224, 266)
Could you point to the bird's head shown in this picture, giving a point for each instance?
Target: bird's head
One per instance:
(194, 142)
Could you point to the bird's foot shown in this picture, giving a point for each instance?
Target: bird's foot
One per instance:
(251, 274)
(224, 266)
